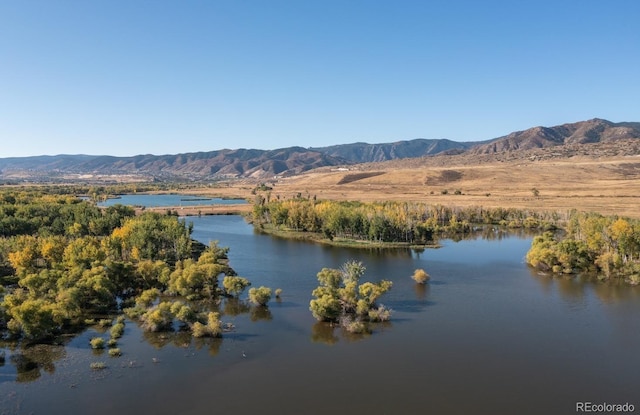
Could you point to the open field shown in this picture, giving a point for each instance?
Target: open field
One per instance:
(597, 182)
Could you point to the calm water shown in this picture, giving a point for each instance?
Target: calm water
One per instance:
(168, 200)
(486, 336)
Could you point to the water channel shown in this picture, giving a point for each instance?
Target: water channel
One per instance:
(487, 335)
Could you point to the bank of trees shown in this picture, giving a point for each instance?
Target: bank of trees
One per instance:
(406, 222)
(608, 246)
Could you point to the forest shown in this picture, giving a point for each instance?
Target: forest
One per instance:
(65, 262)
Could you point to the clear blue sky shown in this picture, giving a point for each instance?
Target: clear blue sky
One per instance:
(125, 77)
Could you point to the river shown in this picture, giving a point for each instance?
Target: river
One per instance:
(487, 335)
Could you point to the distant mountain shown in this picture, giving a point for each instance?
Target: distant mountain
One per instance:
(583, 132)
(222, 163)
(365, 153)
(263, 164)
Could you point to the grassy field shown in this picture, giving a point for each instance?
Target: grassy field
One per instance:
(596, 180)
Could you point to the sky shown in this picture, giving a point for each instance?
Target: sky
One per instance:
(126, 77)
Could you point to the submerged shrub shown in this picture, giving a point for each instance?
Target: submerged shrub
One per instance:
(158, 318)
(117, 330)
(355, 326)
(420, 276)
(115, 352)
(213, 328)
(105, 322)
(381, 313)
(98, 365)
(97, 343)
(260, 296)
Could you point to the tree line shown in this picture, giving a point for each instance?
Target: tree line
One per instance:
(405, 222)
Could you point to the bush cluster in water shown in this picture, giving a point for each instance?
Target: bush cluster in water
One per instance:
(340, 299)
(608, 246)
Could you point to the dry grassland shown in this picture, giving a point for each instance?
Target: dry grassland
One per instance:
(609, 185)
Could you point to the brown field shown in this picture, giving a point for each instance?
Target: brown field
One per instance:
(592, 182)
(203, 210)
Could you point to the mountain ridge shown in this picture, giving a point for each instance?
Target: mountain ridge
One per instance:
(262, 164)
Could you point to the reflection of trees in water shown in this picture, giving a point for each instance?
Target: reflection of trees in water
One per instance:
(234, 307)
(31, 360)
(354, 337)
(157, 339)
(422, 291)
(323, 333)
(576, 287)
(492, 233)
(260, 313)
(212, 344)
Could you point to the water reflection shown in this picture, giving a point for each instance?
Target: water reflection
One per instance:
(234, 307)
(260, 313)
(323, 333)
(576, 288)
(331, 333)
(422, 291)
(30, 361)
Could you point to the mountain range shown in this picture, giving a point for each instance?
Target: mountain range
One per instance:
(261, 164)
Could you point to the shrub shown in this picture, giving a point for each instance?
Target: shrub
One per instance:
(105, 322)
(158, 318)
(278, 292)
(147, 297)
(355, 326)
(420, 276)
(98, 365)
(260, 296)
(381, 313)
(117, 330)
(183, 312)
(115, 352)
(97, 343)
(112, 343)
(213, 328)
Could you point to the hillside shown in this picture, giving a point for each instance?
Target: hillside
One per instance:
(584, 132)
(365, 153)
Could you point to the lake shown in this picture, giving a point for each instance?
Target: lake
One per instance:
(149, 200)
(487, 335)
